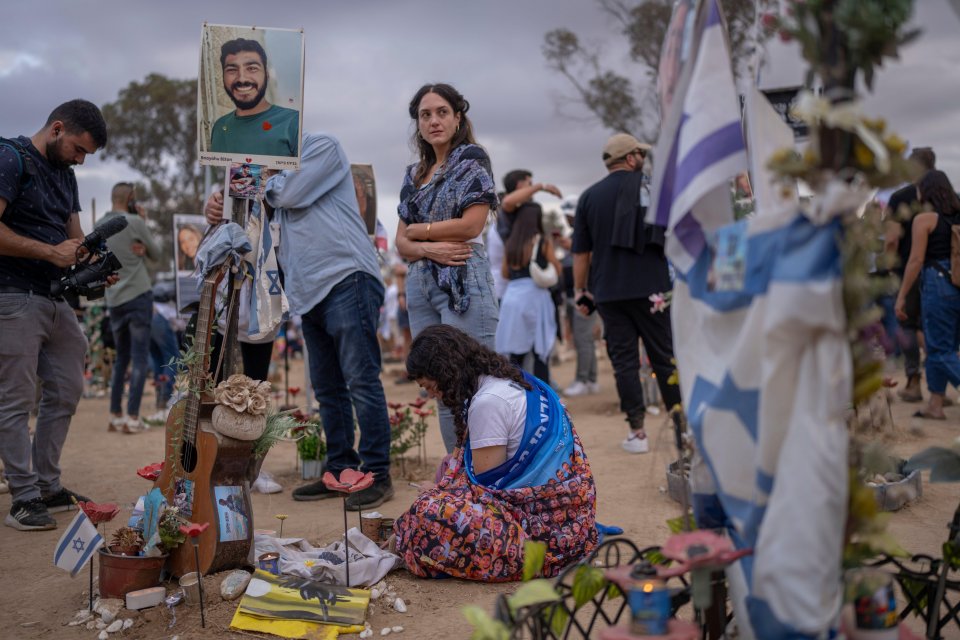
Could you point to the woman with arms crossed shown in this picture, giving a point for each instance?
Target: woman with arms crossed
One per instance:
(444, 203)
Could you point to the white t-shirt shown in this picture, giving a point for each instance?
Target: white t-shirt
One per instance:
(497, 414)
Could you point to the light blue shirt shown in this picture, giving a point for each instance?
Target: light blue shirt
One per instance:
(323, 239)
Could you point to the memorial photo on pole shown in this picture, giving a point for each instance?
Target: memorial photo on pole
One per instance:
(250, 96)
(366, 186)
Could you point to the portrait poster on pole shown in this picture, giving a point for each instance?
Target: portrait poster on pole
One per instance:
(250, 96)
(188, 231)
(366, 186)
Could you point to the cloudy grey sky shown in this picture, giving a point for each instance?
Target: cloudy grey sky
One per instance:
(366, 58)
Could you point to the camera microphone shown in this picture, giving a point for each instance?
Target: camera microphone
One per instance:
(104, 230)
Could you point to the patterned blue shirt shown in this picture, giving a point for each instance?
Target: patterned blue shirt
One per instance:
(465, 179)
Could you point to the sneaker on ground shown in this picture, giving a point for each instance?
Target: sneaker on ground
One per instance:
(636, 443)
(134, 425)
(314, 491)
(578, 388)
(594, 387)
(653, 410)
(373, 496)
(266, 484)
(158, 418)
(63, 500)
(30, 515)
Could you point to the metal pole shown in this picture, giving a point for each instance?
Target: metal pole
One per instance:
(196, 558)
(346, 544)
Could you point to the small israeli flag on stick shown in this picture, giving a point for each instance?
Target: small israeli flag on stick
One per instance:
(77, 544)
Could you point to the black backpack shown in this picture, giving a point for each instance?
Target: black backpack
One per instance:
(28, 169)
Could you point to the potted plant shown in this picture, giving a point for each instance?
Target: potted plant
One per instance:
(311, 449)
(126, 541)
(123, 569)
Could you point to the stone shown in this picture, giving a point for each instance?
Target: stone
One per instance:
(366, 633)
(91, 625)
(109, 605)
(115, 626)
(397, 629)
(101, 624)
(400, 605)
(103, 635)
(234, 585)
(143, 598)
(127, 623)
(385, 631)
(107, 616)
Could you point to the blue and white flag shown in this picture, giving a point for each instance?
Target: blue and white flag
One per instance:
(700, 149)
(77, 544)
(267, 302)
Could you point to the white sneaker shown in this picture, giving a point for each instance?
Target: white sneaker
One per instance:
(653, 410)
(636, 443)
(266, 484)
(578, 388)
(156, 419)
(594, 387)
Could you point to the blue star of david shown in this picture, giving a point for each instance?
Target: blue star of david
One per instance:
(744, 403)
(274, 277)
(78, 545)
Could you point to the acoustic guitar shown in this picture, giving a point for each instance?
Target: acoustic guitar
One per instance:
(205, 474)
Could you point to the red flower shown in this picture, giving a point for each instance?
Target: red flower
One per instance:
(395, 405)
(699, 549)
(419, 402)
(267, 126)
(99, 512)
(294, 390)
(194, 529)
(151, 472)
(785, 36)
(423, 413)
(350, 481)
(769, 21)
(395, 419)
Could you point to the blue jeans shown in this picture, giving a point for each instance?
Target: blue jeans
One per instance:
(427, 305)
(341, 338)
(941, 328)
(163, 350)
(130, 323)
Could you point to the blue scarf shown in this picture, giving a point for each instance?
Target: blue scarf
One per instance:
(547, 444)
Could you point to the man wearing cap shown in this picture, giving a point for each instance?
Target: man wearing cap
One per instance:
(618, 264)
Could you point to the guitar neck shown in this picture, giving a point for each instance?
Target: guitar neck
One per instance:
(200, 369)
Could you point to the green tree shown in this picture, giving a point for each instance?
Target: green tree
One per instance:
(627, 101)
(153, 128)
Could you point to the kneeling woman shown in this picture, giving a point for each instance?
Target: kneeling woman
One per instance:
(518, 473)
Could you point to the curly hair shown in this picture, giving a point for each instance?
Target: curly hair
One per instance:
(455, 361)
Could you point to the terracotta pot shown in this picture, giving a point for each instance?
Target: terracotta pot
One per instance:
(119, 575)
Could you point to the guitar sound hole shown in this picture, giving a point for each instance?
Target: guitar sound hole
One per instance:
(188, 457)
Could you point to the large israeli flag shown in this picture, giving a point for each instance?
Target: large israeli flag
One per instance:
(77, 544)
(764, 365)
(701, 148)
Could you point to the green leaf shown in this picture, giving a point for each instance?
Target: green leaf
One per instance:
(613, 591)
(587, 582)
(484, 627)
(951, 553)
(676, 524)
(531, 593)
(558, 618)
(534, 555)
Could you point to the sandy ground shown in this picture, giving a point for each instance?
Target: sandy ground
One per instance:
(38, 600)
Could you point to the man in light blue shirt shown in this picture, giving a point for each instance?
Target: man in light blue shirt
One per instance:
(332, 280)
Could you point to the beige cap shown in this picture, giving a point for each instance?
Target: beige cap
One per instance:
(619, 145)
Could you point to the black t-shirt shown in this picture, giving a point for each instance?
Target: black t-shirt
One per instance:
(907, 196)
(38, 207)
(615, 273)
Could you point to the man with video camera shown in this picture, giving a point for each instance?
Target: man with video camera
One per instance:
(40, 337)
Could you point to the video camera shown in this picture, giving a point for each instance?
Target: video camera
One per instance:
(89, 276)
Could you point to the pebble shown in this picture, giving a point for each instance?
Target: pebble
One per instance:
(400, 605)
(91, 625)
(107, 616)
(103, 635)
(366, 633)
(115, 626)
(128, 623)
(397, 629)
(101, 624)
(385, 631)
(234, 585)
